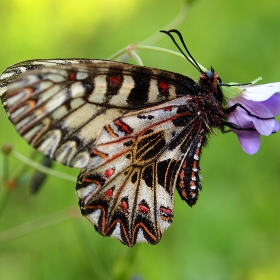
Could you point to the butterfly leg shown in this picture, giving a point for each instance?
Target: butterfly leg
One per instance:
(233, 107)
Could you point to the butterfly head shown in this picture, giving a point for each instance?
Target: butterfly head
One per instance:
(210, 82)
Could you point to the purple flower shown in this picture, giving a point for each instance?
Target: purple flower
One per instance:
(262, 101)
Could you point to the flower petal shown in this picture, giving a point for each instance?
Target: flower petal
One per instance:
(260, 92)
(276, 127)
(241, 117)
(273, 104)
(251, 142)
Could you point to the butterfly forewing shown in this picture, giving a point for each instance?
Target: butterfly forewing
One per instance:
(61, 110)
(137, 132)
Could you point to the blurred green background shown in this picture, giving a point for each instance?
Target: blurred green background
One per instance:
(234, 230)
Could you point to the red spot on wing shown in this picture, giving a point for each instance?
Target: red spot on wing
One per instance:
(166, 214)
(144, 209)
(166, 211)
(163, 87)
(124, 205)
(109, 172)
(123, 126)
(109, 192)
(168, 109)
(115, 81)
(72, 76)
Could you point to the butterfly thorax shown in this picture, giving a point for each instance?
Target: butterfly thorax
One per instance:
(210, 100)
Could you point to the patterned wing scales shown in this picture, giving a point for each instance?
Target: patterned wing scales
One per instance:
(60, 110)
(13, 71)
(188, 180)
(136, 131)
(127, 190)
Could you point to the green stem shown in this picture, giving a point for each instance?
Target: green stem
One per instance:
(152, 48)
(42, 168)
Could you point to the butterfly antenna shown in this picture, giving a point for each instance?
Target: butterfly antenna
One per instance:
(189, 57)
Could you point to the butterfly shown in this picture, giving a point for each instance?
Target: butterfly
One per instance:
(135, 132)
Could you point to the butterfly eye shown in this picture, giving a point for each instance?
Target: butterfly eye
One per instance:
(210, 76)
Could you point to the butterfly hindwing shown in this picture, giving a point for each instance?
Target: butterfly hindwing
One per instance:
(188, 179)
(127, 190)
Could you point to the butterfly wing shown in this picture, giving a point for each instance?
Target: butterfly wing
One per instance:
(127, 189)
(60, 110)
(135, 130)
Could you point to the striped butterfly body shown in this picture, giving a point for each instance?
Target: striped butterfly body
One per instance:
(135, 132)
